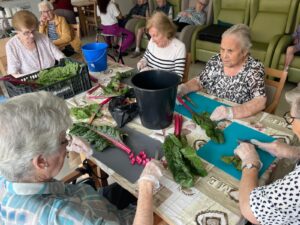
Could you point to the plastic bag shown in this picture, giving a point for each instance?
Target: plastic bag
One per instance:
(121, 111)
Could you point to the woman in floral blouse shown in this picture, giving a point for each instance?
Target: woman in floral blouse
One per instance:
(232, 75)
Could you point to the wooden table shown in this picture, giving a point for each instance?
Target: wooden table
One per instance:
(214, 197)
(79, 5)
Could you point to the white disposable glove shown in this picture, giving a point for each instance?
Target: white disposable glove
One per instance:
(182, 90)
(141, 64)
(279, 149)
(152, 173)
(222, 112)
(247, 153)
(79, 145)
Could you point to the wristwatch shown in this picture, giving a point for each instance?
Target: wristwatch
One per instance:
(250, 165)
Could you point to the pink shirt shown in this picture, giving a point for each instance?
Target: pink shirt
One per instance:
(25, 61)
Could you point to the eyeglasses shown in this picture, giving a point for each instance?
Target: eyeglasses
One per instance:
(46, 11)
(288, 118)
(27, 33)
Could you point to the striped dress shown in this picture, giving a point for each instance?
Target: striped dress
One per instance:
(170, 58)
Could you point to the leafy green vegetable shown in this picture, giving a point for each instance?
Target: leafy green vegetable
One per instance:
(234, 160)
(115, 87)
(91, 134)
(86, 111)
(204, 121)
(59, 73)
(182, 160)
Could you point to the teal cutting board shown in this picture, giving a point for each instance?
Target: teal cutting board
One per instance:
(213, 152)
(204, 105)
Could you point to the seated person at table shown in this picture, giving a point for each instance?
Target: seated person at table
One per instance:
(65, 9)
(32, 151)
(58, 30)
(278, 202)
(139, 11)
(164, 51)
(192, 16)
(232, 75)
(109, 13)
(162, 6)
(29, 51)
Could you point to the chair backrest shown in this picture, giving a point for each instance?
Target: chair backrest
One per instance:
(274, 80)
(188, 60)
(231, 11)
(3, 60)
(274, 16)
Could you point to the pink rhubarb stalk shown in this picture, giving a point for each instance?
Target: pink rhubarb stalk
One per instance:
(184, 105)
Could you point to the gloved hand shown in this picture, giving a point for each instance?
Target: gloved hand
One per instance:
(147, 68)
(152, 173)
(182, 90)
(141, 64)
(247, 153)
(278, 149)
(222, 112)
(79, 145)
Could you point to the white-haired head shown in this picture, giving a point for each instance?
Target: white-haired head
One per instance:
(30, 126)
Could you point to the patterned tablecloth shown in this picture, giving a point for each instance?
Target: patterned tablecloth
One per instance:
(214, 199)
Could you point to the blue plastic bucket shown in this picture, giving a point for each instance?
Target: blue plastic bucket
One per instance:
(95, 54)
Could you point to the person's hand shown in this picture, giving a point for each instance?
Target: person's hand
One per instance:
(79, 145)
(141, 64)
(278, 149)
(182, 90)
(152, 173)
(43, 20)
(222, 112)
(247, 153)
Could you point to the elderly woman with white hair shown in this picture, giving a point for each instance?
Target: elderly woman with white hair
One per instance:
(29, 51)
(278, 202)
(232, 75)
(32, 150)
(57, 29)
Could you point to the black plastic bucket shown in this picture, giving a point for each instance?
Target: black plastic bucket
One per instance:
(155, 91)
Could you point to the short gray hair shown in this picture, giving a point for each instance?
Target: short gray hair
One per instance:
(242, 32)
(30, 126)
(45, 5)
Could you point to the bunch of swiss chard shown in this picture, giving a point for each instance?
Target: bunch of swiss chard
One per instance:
(100, 137)
(204, 121)
(115, 87)
(56, 74)
(182, 158)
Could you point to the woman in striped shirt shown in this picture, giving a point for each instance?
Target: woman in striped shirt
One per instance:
(164, 51)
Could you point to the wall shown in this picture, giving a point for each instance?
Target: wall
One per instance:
(31, 5)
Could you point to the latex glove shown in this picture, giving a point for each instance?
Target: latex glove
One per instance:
(79, 145)
(182, 90)
(152, 173)
(147, 68)
(247, 153)
(141, 64)
(222, 112)
(278, 149)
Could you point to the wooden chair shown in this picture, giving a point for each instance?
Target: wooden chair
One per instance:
(91, 18)
(3, 61)
(88, 169)
(274, 80)
(188, 59)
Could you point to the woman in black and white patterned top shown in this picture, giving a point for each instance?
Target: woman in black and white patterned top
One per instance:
(233, 75)
(277, 203)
